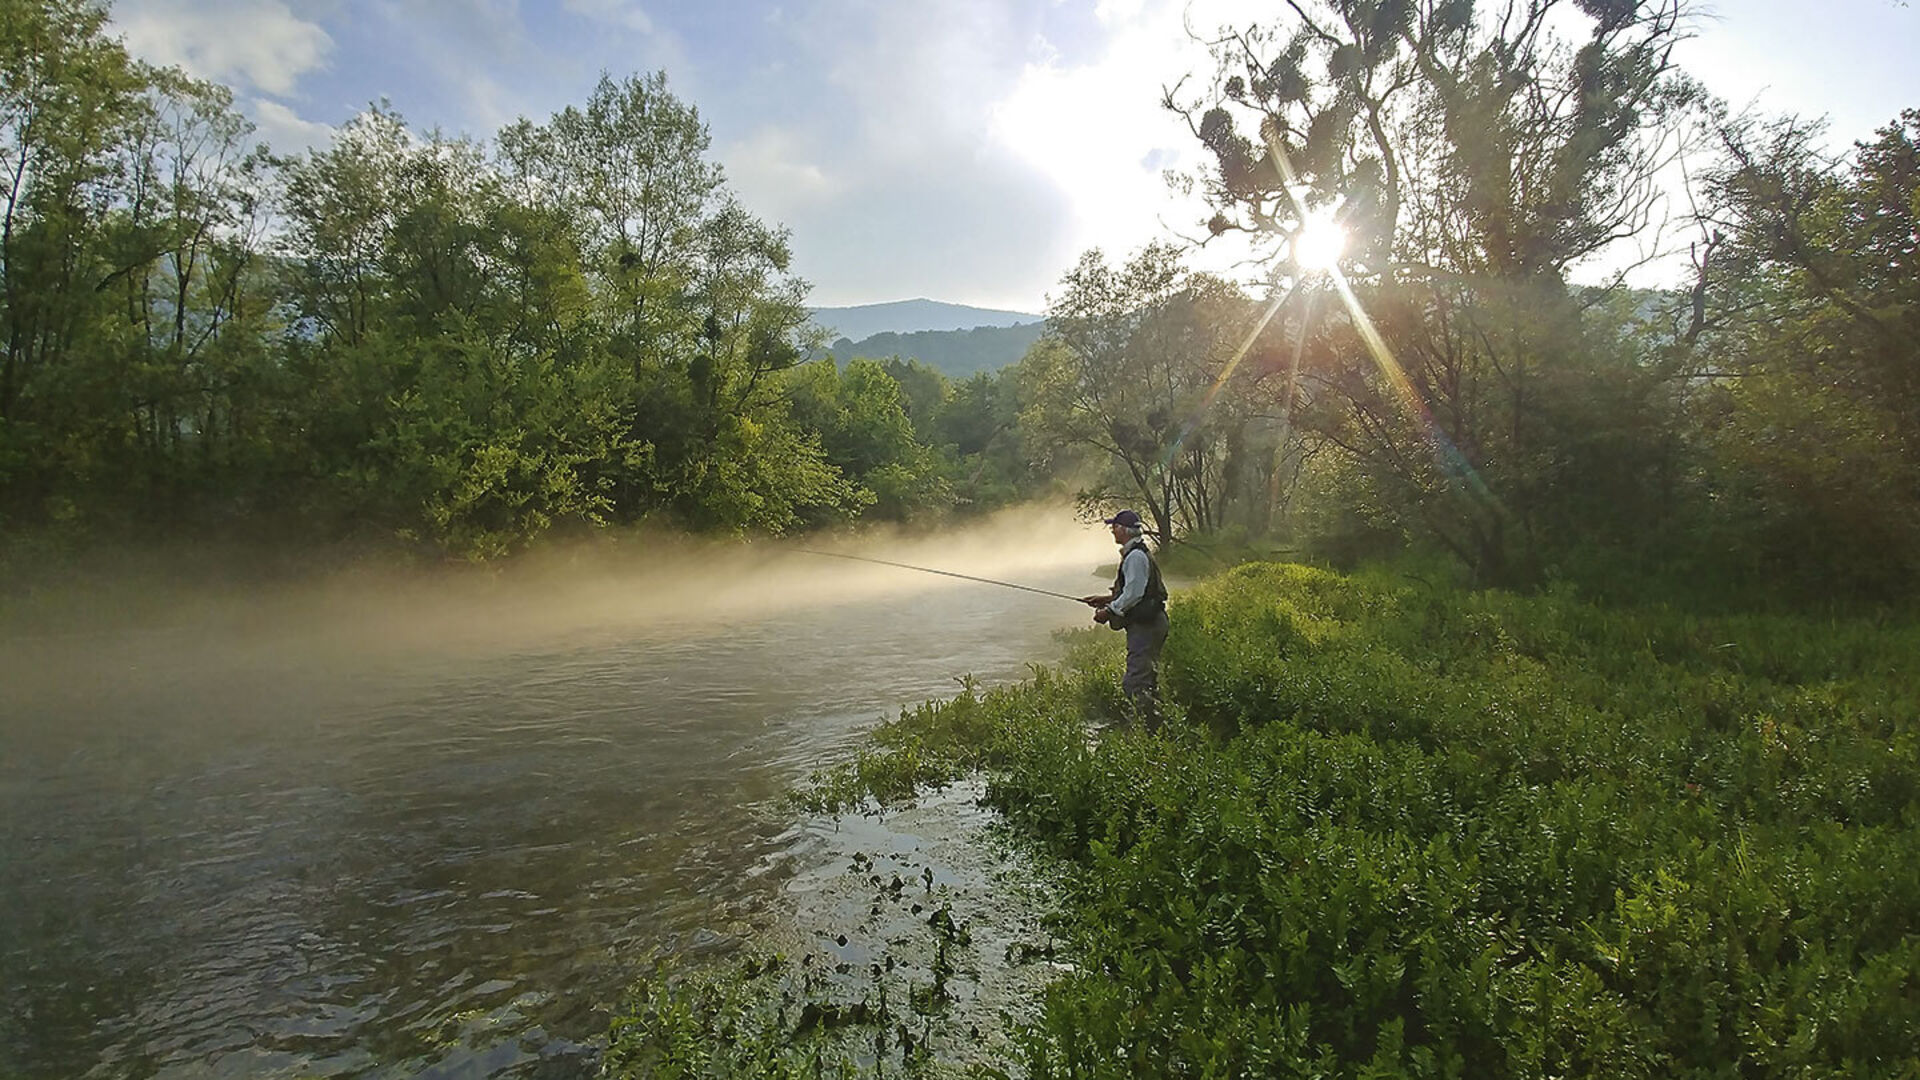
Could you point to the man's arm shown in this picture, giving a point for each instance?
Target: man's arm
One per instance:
(1133, 574)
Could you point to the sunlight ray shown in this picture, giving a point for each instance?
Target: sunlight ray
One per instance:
(1193, 420)
(1452, 462)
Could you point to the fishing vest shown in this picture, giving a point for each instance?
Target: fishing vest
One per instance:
(1153, 601)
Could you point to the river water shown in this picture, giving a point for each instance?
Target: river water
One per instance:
(433, 827)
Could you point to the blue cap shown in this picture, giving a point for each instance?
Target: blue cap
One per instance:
(1125, 517)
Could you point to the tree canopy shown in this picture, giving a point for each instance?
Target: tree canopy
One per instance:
(461, 344)
(466, 343)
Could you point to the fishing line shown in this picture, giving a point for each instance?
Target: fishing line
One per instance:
(943, 573)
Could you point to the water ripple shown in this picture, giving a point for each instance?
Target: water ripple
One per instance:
(234, 856)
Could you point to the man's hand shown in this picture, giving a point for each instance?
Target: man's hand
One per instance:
(1096, 601)
(1102, 615)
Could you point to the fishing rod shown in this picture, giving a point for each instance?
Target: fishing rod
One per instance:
(943, 573)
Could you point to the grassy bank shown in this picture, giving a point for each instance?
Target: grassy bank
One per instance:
(1396, 830)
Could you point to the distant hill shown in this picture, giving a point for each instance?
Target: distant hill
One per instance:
(907, 316)
(954, 353)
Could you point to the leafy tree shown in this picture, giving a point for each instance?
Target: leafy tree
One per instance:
(433, 411)
(1812, 422)
(979, 425)
(629, 168)
(973, 427)
(1475, 155)
(862, 422)
(1135, 369)
(924, 392)
(131, 310)
(198, 304)
(693, 294)
(615, 315)
(459, 344)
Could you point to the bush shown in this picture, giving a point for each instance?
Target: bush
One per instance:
(1402, 830)
(1394, 829)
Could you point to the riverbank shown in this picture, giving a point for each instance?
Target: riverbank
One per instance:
(1394, 829)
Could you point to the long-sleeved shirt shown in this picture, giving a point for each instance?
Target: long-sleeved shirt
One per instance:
(1134, 571)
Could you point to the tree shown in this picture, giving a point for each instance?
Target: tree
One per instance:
(692, 292)
(131, 311)
(1812, 421)
(924, 392)
(456, 344)
(1136, 367)
(630, 170)
(1475, 156)
(860, 415)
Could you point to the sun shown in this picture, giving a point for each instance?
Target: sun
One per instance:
(1318, 244)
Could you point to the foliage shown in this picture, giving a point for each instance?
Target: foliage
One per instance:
(1815, 448)
(709, 1024)
(129, 302)
(919, 444)
(1142, 369)
(1476, 154)
(1397, 829)
(863, 424)
(457, 344)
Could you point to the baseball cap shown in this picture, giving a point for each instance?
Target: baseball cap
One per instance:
(1125, 517)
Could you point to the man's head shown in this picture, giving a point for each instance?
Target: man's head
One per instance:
(1126, 525)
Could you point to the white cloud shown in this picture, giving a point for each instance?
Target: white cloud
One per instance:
(621, 13)
(916, 78)
(285, 131)
(253, 44)
(974, 148)
(772, 171)
(863, 125)
(1098, 132)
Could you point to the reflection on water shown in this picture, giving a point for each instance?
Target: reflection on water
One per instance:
(237, 847)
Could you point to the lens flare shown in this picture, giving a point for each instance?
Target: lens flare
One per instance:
(1318, 245)
(1447, 455)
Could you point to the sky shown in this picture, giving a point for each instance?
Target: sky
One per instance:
(959, 150)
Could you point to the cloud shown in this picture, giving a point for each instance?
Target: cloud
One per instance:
(473, 66)
(981, 232)
(1096, 130)
(966, 149)
(620, 13)
(863, 126)
(285, 131)
(916, 79)
(774, 174)
(252, 44)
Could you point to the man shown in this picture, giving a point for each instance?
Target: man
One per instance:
(1138, 605)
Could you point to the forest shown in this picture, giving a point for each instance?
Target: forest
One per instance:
(454, 346)
(955, 353)
(415, 341)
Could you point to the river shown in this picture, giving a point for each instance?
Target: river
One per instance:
(432, 826)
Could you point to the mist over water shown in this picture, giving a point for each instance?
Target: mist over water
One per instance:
(430, 824)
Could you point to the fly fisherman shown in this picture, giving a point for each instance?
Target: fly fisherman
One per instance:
(1138, 605)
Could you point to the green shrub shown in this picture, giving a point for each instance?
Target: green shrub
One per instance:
(1393, 829)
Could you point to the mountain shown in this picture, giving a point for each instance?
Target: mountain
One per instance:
(954, 353)
(907, 316)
